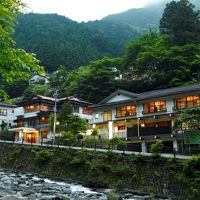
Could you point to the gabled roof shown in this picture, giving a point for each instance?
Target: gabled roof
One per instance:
(119, 92)
(105, 102)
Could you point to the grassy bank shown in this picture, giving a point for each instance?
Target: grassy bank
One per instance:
(154, 175)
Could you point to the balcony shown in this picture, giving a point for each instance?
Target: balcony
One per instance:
(148, 131)
(121, 135)
(128, 114)
(154, 111)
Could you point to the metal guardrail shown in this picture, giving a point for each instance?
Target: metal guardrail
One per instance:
(119, 148)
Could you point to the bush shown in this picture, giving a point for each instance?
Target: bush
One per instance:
(6, 135)
(112, 196)
(157, 147)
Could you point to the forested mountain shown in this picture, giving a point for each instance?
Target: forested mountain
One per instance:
(146, 17)
(120, 32)
(57, 40)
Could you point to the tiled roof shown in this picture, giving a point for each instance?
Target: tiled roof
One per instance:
(6, 104)
(148, 95)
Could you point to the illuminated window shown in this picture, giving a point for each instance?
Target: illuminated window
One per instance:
(87, 111)
(32, 108)
(185, 102)
(156, 106)
(96, 116)
(20, 123)
(121, 128)
(126, 111)
(43, 107)
(107, 115)
(44, 120)
(3, 112)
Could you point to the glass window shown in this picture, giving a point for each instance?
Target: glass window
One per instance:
(44, 107)
(126, 111)
(96, 116)
(155, 106)
(32, 108)
(107, 115)
(3, 112)
(76, 109)
(188, 101)
(87, 111)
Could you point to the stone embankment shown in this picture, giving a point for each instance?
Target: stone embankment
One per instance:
(156, 176)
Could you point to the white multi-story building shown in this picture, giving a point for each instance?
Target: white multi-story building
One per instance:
(142, 118)
(32, 116)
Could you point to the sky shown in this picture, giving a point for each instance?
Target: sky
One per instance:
(84, 10)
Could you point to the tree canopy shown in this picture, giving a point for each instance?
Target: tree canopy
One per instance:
(188, 120)
(181, 21)
(13, 62)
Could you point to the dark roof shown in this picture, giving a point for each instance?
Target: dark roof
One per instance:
(40, 98)
(148, 95)
(169, 91)
(7, 105)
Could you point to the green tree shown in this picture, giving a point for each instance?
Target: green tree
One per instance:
(188, 120)
(181, 21)
(64, 114)
(157, 147)
(13, 62)
(94, 132)
(76, 125)
(58, 78)
(36, 89)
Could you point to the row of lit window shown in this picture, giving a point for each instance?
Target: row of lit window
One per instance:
(33, 122)
(36, 107)
(151, 107)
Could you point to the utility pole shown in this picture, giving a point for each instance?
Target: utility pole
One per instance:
(55, 95)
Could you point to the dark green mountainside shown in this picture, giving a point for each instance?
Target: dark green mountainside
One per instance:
(57, 40)
(118, 31)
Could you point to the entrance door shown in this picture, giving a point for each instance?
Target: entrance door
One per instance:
(30, 137)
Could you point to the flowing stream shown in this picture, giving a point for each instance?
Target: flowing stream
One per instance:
(17, 185)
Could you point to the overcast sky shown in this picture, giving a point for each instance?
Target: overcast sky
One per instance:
(84, 10)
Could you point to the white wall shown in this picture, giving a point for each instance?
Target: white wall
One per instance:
(10, 117)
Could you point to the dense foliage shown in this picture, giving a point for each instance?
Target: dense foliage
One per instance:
(188, 120)
(181, 22)
(120, 32)
(13, 62)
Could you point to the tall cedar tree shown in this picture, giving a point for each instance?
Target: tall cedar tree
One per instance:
(181, 21)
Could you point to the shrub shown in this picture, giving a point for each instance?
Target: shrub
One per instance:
(157, 147)
(112, 196)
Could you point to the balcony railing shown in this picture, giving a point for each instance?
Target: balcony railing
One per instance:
(184, 107)
(128, 114)
(154, 111)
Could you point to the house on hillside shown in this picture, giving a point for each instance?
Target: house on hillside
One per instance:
(32, 117)
(38, 77)
(140, 119)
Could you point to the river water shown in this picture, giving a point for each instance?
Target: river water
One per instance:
(16, 185)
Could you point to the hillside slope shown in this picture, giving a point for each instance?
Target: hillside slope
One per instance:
(57, 40)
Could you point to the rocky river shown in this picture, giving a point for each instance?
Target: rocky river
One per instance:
(25, 186)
